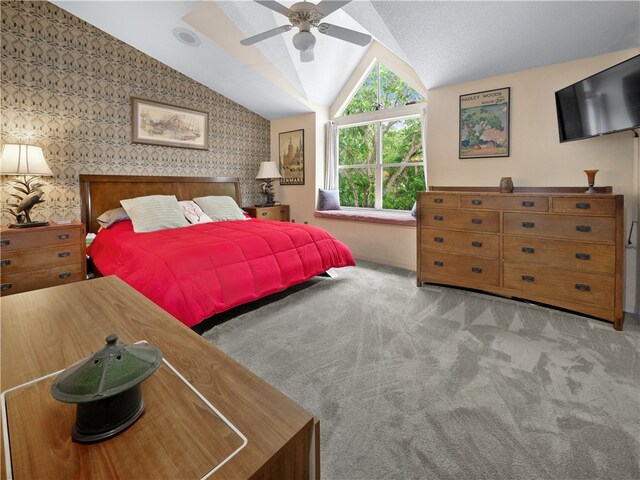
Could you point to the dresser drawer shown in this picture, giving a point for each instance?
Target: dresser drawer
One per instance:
(280, 213)
(20, 260)
(584, 205)
(439, 200)
(33, 279)
(579, 287)
(598, 229)
(506, 202)
(470, 243)
(42, 238)
(463, 267)
(478, 221)
(591, 257)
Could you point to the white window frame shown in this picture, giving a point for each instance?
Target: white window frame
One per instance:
(378, 117)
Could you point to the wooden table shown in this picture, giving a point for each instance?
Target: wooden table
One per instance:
(47, 330)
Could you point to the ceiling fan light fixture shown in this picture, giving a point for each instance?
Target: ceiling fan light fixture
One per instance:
(304, 40)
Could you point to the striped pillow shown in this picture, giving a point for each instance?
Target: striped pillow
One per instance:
(154, 212)
(220, 208)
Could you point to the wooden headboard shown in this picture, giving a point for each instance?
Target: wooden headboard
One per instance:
(100, 193)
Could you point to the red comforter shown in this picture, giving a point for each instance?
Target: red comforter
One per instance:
(197, 271)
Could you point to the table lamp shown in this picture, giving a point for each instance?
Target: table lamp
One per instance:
(25, 160)
(267, 172)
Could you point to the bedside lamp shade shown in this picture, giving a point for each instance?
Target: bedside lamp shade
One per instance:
(268, 170)
(28, 161)
(23, 160)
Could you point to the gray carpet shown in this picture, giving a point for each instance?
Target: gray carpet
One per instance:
(437, 383)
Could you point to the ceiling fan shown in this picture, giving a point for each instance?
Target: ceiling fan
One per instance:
(304, 16)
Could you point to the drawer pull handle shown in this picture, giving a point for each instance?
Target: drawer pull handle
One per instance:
(438, 218)
(4, 243)
(476, 269)
(476, 221)
(6, 286)
(528, 278)
(528, 250)
(528, 224)
(264, 214)
(583, 256)
(583, 228)
(438, 239)
(64, 254)
(63, 236)
(583, 287)
(64, 275)
(476, 202)
(476, 244)
(528, 203)
(5, 263)
(438, 263)
(438, 200)
(583, 206)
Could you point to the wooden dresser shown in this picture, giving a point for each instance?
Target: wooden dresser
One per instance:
(39, 257)
(276, 212)
(555, 246)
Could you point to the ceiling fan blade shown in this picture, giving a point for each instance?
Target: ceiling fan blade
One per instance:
(345, 34)
(306, 55)
(326, 7)
(275, 6)
(264, 35)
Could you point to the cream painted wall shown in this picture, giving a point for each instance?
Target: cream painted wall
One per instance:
(300, 198)
(537, 158)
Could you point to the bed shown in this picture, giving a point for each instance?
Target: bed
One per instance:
(201, 270)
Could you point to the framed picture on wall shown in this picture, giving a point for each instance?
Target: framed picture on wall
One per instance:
(291, 157)
(484, 124)
(155, 123)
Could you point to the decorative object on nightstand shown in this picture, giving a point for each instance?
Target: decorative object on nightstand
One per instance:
(107, 407)
(25, 160)
(267, 172)
(506, 185)
(591, 180)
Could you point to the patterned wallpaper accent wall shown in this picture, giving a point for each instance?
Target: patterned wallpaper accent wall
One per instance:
(66, 86)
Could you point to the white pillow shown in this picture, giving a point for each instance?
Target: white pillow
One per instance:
(193, 212)
(220, 208)
(154, 212)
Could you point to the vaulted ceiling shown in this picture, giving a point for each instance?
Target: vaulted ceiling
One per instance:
(446, 42)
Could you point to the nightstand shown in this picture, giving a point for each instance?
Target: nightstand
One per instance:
(276, 212)
(39, 257)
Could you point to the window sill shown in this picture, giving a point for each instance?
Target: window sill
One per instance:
(369, 216)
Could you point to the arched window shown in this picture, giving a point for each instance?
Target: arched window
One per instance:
(380, 146)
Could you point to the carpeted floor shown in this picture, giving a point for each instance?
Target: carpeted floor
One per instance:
(437, 383)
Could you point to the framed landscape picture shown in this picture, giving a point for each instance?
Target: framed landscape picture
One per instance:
(155, 123)
(291, 157)
(484, 124)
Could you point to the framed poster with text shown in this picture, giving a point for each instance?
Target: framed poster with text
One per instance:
(484, 124)
(291, 157)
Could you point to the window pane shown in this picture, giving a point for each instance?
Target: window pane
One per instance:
(395, 92)
(357, 187)
(366, 98)
(402, 141)
(400, 185)
(356, 145)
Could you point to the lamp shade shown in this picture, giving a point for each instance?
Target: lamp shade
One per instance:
(268, 170)
(18, 159)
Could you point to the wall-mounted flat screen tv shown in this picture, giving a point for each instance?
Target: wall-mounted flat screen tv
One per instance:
(607, 102)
